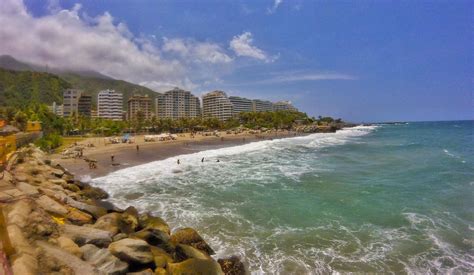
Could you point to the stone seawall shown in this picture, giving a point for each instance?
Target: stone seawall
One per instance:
(53, 224)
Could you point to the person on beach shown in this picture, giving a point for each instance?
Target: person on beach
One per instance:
(112, 157)
(138, 148)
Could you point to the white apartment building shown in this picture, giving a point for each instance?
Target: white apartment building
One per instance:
(56, 109)
(176, 104)
(283, 106)
(241, 104)
(110, 104)
(216, 104)
(262, 105)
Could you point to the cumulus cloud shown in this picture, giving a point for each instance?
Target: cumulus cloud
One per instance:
(276, 4)
(196, 51)
(70, 39)
(242, 46)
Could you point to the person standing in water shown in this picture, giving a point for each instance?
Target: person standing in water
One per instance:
(178, 162)
(112, 157)
(202, 160)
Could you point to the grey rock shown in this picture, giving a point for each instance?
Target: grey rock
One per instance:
(87, 235)
(132, 250)
(103, 260)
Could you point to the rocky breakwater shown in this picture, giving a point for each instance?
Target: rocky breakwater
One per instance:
(53, 224)
(322, 128)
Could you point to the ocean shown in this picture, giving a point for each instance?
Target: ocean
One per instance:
(385, 198)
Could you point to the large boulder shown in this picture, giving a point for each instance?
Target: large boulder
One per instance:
(25, 264)
(103, 260)
(190, 237)
(51, 206)
(232, 266)
(195, 266)
(147, 221)
(94, 193)
(109, 222)
(95, 211)
(161, 257)
(68, 245)
(78, 217)
(154, 237)
(184, 252)
(132, 250)
(87, 235)
(129, 221)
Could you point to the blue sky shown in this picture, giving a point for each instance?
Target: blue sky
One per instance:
(359, 60)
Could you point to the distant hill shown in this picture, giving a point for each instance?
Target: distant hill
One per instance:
(20, 88)
(17, 81)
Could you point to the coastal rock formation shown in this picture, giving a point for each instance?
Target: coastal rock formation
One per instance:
(52, 224)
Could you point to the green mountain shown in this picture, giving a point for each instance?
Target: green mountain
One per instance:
(20, 88)
(21, 83)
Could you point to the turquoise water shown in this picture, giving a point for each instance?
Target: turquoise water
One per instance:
(387, 198)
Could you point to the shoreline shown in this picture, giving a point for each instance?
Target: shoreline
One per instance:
(126, 155)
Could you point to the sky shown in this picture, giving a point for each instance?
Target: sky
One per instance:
(362, 61)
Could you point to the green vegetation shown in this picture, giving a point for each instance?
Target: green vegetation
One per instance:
(18, 89)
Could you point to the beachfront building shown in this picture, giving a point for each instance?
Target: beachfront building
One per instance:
(216, 104)
(176, 104)
(283, 106)
(70, 101)
(84, 105)
(139, 104)
(262, 105)
(241, 104)
(56, 109)
(110, 104)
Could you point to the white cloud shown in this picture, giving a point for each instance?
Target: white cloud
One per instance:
(276, 4)
(242, 46)
(196, 51)
(68, 39)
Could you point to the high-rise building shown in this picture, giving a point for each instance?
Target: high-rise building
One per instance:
(176, 104)
(139, 104)
(70, 101)
(241, 104)
(84, 105)
(216, 104)
(283, 105)
(262, 105)
(110, 104)
(56, 109)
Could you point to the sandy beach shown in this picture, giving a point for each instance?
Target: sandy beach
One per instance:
(127, 155)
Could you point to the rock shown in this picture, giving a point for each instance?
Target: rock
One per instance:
(78, 217)
(142, 272)
(161, 257)
(18, 241)
(94, 193)
(11, 194)
(27, 188)
(87, 235)
(51, 205)
(195, 266)
(103, 260)
(59, 182)
(20, 212)
(71, 261)
(147, 221)
(132, 250)
(109, 222)
(129, 221)
(91, 209)
(119, 237)
(160, 271)
(57, 172)
(232, 266)
(70, 246)
(154, 237)
(184, 252)
(72, 187)
(190, 237)
(25, 264)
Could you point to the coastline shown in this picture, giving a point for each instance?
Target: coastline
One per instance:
(126, 155)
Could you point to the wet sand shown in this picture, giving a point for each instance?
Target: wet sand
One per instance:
(126, 155)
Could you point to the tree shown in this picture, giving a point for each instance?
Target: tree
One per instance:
(20, 120)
